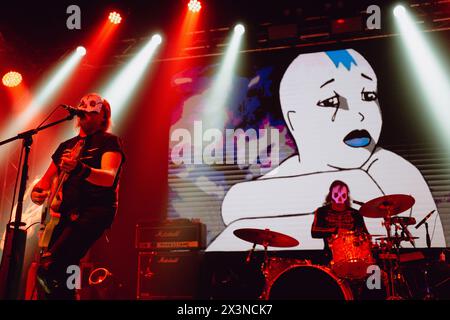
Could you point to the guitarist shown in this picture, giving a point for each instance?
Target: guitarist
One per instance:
(88, 198)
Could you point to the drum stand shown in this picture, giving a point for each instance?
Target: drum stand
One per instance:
(265, 238)
(265, 269)
(391, 261)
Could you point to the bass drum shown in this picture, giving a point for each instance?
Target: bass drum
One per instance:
(308, 282)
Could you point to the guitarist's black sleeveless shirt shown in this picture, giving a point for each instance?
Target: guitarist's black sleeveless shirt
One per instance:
(95, 204)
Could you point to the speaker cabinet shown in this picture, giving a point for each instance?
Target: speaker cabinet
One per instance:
(168, 275)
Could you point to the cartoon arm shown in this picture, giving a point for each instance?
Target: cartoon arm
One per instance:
(291, 195)
(396, 175)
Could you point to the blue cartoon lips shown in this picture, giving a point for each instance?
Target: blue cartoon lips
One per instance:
(358, 139)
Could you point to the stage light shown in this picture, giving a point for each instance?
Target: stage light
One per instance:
(399, 10)
(239, 29)
(114, 17)
(48, 87)
(429, 69)
(81, 51)
(194, 5)
(12, 79)
(119, 91)
(157, 38)
(221, 89)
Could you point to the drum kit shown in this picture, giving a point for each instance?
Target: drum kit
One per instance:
(352, 254)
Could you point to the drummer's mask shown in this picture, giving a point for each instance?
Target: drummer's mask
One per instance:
(339, 194)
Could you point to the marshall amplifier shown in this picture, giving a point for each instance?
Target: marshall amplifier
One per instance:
(173, 234)
(168, 275)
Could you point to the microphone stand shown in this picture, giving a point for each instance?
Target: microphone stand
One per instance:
(427, 236)
(428, 292)
(15, 238)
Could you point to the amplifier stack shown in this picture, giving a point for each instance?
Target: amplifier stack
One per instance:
(169, 258)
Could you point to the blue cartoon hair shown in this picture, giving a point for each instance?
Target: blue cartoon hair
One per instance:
(341, 57)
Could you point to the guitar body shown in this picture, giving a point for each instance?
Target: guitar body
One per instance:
(50, 226)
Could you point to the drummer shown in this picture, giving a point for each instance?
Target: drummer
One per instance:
(336, 214)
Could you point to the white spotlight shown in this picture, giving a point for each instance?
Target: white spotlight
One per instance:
(428, 68)
(157, 38)
(399, 10)
(81, 51)
(120, 91)
(239, 29)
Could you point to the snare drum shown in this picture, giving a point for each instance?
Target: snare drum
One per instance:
(308, 282)
(352, 254)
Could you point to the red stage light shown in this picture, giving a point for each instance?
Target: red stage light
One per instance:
(194, 5)
(341, 21)
(12, 79)
(115, 17)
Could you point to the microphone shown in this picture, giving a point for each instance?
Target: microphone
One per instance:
(73, 111)
(424, 219)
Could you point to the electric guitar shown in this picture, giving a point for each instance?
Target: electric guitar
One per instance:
(50, 212)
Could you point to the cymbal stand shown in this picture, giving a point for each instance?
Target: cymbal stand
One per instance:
(393, 268)
(429, 295)
(265, 269)
(428, 292)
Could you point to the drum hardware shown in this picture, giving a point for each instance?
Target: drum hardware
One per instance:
(352, 254)
(396, 239)
(428, 293)
(387, 256)
(250, 254)
(403, 220)
(266, 238)
(401, 224)
(387, 207)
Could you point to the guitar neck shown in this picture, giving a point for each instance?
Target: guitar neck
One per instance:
(63, 175)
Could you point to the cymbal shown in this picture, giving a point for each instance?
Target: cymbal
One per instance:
(266, 237)
(386, 206)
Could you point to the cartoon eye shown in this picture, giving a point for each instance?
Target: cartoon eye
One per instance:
(369, 96)
(335, 195)
(332, 102)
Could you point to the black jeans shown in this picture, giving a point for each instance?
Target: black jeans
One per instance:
(70, 242)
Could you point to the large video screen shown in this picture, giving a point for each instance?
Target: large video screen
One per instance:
(289, 123)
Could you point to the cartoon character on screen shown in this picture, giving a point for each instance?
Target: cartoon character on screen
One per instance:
(330, 104)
